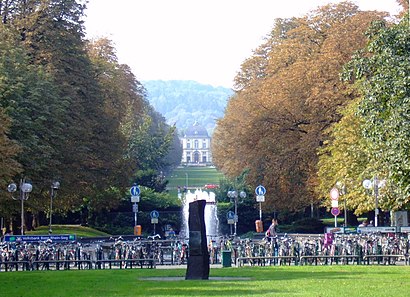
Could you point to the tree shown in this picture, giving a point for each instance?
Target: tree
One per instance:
(124, 100)
(382, 70)
(345, 158)
(9, 167)
(9, 149)
(71, 112)
(60, 116)
(28, 99)
(52, 32)
(279, 116)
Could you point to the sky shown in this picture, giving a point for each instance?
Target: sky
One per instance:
(201, 40)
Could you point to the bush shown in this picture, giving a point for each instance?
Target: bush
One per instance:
(306, 225)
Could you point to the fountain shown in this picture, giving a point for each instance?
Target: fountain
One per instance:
(211, 214)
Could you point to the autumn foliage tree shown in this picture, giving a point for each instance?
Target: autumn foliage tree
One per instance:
(288, 94)
(372, 139)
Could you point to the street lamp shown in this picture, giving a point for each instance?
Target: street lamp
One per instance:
(53, 192)
(342, 192)
(25, 189)
(375, 184)
(234, 195)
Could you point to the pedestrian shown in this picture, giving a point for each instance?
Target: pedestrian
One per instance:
(271, 232)
(364, 224)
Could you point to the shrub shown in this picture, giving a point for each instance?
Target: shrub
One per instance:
(306, 225)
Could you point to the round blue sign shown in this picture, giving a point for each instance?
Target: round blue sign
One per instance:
(260, 190)
(230, 215)
(154, 214)
(135, 191)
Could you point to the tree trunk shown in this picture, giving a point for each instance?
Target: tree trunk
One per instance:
(34, 222)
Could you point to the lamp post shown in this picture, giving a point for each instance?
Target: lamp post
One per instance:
(375, 184)
(233, 195)
(342, 192)
(53, 192)
(25, 189)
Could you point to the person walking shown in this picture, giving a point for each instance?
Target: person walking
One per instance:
(271, 232)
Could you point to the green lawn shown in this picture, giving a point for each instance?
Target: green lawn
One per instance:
(80, 231)
(259, 281)
(193, 177)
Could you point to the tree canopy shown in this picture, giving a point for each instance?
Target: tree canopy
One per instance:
(288, 94)
(70, 112)
(372, 139)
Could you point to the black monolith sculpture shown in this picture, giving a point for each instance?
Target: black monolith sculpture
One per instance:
(198, 259)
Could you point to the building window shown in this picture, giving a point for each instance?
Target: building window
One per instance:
(188, 157)
(204, 144)
(196, 144)
(188, 145)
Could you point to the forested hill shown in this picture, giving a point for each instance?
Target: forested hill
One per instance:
(184, 101)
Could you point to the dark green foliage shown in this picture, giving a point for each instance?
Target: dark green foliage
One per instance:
(120, 219)
(151, 179)
(306, 225)
(77, 117)
(29, 98)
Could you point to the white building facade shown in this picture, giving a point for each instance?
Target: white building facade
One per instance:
(196, 146)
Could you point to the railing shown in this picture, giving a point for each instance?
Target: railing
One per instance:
(65, 264)
(76, 264)
(304, 260)
(381, 259)
(282, 250)
(125, 263)
(10, 265)
(261, 261)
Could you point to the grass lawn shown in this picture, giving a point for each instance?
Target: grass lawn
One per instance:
(80, 231)
(260, 281)
(193, 177)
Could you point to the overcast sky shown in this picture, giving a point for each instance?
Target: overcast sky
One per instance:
(201, 40)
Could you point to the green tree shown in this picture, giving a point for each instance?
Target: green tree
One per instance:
(60, 115)
(28, 98)
(53, 34)
(151, 141)
(382, 71)
(345, 158)
(9, 167)
(76, 113)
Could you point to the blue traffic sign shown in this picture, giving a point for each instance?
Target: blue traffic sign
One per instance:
(260, 190)
(135, 191)
(230, 215)
(154, 214)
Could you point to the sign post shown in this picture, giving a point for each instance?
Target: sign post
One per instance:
(335, 211)
(334, 195)
(230, 216)
(154, 218)
(260, 192)
(135, 198)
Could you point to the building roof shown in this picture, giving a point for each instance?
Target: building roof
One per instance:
(196, 130)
